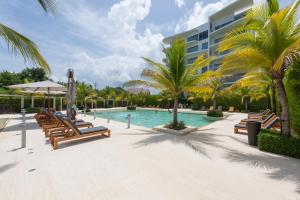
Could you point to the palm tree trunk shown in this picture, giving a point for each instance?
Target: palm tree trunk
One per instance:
(273, 98)
(215, 103)
(246, 104)
(175, 121)
(285, 115)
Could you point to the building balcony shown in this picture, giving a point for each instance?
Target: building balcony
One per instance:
(227, 27)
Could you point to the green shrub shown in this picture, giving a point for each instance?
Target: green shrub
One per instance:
(131, 108)
(292, 84)
(181, 125)
(32, 110)
(274, 142)
(214, 113)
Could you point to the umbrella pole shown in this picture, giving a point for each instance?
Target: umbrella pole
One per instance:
(48, 98)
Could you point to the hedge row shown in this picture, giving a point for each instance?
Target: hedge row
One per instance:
(275, 142)
(292, 85)
(13, 104)
(232, 100)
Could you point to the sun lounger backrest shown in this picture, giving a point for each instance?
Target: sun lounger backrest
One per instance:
(265, 112)
(267, 118)
(70, 125)
(270, 122)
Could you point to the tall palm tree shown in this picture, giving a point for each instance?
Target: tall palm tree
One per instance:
(173, 78)
(24, 46)
(269, 39)
(84, 93)
(258, 85)
(210, 86)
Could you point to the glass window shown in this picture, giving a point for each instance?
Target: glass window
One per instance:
(203, 35)
(191, 60)
(215, 66)
(205, 45)
(192, 49)
(192, 38)
(218, 40)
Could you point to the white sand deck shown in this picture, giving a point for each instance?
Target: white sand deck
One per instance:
(137, 163)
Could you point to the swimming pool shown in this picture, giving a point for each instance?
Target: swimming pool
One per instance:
(151, 118)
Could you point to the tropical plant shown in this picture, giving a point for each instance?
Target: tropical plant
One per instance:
(173, 78)
(84, 92)
(210, 86)
(20, 44)
(268, 39)
(254, 85)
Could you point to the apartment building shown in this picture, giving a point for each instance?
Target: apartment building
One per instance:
(206, 37)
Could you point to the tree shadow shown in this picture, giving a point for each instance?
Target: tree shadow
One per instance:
(279, 167)
(195, 141)
(6, 167)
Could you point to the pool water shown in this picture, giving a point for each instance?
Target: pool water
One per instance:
(151, 118)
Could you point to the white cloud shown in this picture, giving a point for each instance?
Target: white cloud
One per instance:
(199, 14)
(115, 32)
(180, 3)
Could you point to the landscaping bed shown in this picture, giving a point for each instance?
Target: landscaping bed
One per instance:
(274, 142)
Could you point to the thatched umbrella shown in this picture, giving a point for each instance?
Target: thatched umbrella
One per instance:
(71, 95)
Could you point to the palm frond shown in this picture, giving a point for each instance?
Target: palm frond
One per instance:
(18, 43)
(48, 5)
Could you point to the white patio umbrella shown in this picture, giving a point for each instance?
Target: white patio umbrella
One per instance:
(46, 87)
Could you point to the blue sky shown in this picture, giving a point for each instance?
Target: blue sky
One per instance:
(102, 40)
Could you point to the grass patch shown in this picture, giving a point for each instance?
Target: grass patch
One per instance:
(274, 142)
(214, 113)
(180, 125)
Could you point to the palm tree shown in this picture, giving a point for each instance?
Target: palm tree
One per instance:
(84, 93)
(18, 43)
(173, 78)
(268, 39)
(255, 85)
(210, 87)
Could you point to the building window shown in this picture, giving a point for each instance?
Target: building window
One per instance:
(203, 35)
(192, 60)
(204, 69)
(218, 40)
(215, 66)
(192, 49)
(205, 46)
(240, 16)
(224, 52)
(192, 38)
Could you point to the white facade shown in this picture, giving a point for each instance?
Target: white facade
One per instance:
(205, 38)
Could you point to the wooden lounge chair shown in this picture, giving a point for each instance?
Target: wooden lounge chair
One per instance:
(231, 109)
(269, 122)
(257, 119)
(75, 134)
(260, 115)
(61, 127)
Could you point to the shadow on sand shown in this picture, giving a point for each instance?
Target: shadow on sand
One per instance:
(280, 167)
(6, 167)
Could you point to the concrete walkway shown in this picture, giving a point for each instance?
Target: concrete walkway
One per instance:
(138, 163)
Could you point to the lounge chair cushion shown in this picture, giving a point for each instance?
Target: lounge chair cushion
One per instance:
(91, 130)
(240, 125)
(77, 120)
(82, 123)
